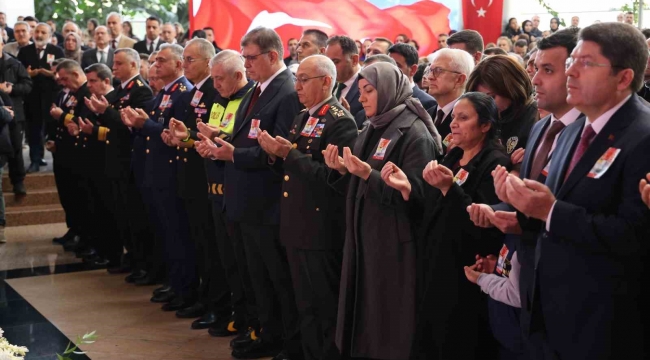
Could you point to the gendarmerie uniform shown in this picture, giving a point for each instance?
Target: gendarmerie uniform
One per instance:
(214, 293)
(131, 221)
(312, 222)
(160, 176)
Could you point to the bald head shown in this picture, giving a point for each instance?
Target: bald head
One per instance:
(70, 27)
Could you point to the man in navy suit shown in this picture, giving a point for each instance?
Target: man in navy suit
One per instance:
(342, 50)
(591, 251)
(252, 196)
(406, 57)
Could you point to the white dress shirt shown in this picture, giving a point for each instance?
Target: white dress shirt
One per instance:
(265, 84)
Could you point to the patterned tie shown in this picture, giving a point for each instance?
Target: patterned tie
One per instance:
(541, 159)
(256, 95)
(585, 141)
(440, 117)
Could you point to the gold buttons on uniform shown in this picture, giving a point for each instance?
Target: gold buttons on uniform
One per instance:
(147, 151)
(170, 161)
(147, 138)
(294, 145)
(185, 160)
(286, 194)
(309, 141)
(307, 147)
(185, 149)
(178, 148)
(107, 142)
(317, 209)
(178, 157)
(286, 178)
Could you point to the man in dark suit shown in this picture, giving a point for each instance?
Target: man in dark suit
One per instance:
(406, 57)
(102, 53)
(447, 76)
(151, 41)
(592, 215)
(252, 196)
(342, 50)
(315, 242)
(160, 176)
(3, 27)
(37, 59)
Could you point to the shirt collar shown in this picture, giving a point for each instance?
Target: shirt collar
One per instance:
(568, 118)
(172, 83)
(117, 39)
(104, 50)
(265, 84)
(200, 83)
(348, 83)
(599, 123)
(149, 42)
(448, 108)
(125, 83)
(315, 108)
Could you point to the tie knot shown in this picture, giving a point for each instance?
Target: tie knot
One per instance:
(556, 127)
(589, 133)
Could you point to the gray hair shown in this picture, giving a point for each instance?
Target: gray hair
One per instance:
(46, 25)
(73, 23)
(175, 49)
(205, 48)
(231, 61)
(324, 66)
(130, 54)
(378, 58)
(103, 72)
(23, 23)
(69, 66)
(266, 39)
(460, 60)
(113, 13)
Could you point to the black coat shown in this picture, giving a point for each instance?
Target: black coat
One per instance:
(89, 57)
(311, 212)
(515, 125)
(376, 313)
(11, 70)
(141, 46)
(452, 313)
(444, 128)
(84, 154)
(29, 57)
(10, 34)
(252, 189)
(591, 267)
(190, 165)
(427, 100)
(356, 109)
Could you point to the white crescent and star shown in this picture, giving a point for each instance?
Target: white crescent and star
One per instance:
(481, 12)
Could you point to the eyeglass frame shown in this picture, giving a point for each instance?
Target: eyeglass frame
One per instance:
(192, 60)
(583, 64)
(304, 80)
(431, 71)
(253, 57)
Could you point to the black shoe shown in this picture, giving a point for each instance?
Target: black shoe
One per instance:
(257, 349)
(102, 263)
(221, 330)
(163, 289)
(177, 304)
(244, 340)
(192, 312)
(42, 163)
(89, 253)
(119, 269)
(33, 167)
(19, 189)
(281, 356)
(136, 275)
(206, 321)
(147, 281)
(163, 298)
(72, 244)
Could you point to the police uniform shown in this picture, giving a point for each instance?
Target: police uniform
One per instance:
(160, 177)
(312, 225)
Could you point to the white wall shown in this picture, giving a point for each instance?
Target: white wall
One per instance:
(15, 8)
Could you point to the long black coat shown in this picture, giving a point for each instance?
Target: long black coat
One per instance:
(377, 295)
(452, 318)
(14, 72)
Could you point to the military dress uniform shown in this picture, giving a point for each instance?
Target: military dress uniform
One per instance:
(160, 177)
(312, 222)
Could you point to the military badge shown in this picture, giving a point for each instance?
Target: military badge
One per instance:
(511, 144)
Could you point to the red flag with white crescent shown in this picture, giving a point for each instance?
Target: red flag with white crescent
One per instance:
(484, 16)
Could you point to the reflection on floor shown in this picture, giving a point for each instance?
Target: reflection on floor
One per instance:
(128, 325)
(31, 246)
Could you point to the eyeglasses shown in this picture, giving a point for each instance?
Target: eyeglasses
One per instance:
(191, 59)
(584, 63)
(253, 57)
(161, 60)
(302, 81)
(436, 72)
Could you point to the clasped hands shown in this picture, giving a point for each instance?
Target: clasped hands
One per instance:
(347, 164)
(96, 105)
(215, 149)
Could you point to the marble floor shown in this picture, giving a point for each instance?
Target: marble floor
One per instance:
(47, 297)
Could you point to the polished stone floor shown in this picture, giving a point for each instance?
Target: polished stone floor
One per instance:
(47, 297)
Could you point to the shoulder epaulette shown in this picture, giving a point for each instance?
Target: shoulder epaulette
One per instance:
(336, 111)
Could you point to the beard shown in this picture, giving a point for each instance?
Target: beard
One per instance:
(40, 43)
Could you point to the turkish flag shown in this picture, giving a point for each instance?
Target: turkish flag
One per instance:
(484, 16)
(358, 19)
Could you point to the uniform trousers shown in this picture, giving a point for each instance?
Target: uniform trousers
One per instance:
(316, 276)
(16, 162)
(37, 107)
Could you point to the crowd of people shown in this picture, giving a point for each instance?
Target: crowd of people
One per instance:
(346, 200)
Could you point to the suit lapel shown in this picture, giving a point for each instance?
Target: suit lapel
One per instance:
(562, 154)
(533, 140)
(353, 93)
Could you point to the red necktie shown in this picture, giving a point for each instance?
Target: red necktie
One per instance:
(256, 95)
(440, 117)
(541, 159)
(585, 141)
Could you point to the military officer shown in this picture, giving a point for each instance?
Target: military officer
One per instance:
(314, 244)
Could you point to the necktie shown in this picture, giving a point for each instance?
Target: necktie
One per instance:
(40, 52)
(256, 95)
(440, 117)
(114, 44)
(545, 148)
(150, 47)
(102, 57)
(339, 91)
(587, 136)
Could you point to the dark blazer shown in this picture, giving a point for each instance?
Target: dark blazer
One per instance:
(591, 265)
(160, 166)
(378, 217)
(252, 189)
(89, 57)
(141, 46)
(356, 109)
(427, 100)
(29, 57)
(14, 72)
(191, 169)
(83, 153)
(444, 129)
(448, 241)
(10, 34)
(311, 212)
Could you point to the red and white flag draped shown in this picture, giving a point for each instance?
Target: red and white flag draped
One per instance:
(484, 16)
(422, 20)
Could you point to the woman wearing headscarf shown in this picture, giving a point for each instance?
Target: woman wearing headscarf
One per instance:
(376, 314)
(512, 29)
(526, 28)
(452, 315)
(555, 24)
(72, 47)
(505, 80)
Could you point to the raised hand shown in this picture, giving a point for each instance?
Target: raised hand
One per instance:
(500, 174)
(274, 146)
(333, 160)
(480, 215)
(210, 131)
(532, 198)
(394, 177)
(56, 112)
(355, 166)
(86, 126)
(178, 129)
(438, 176)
